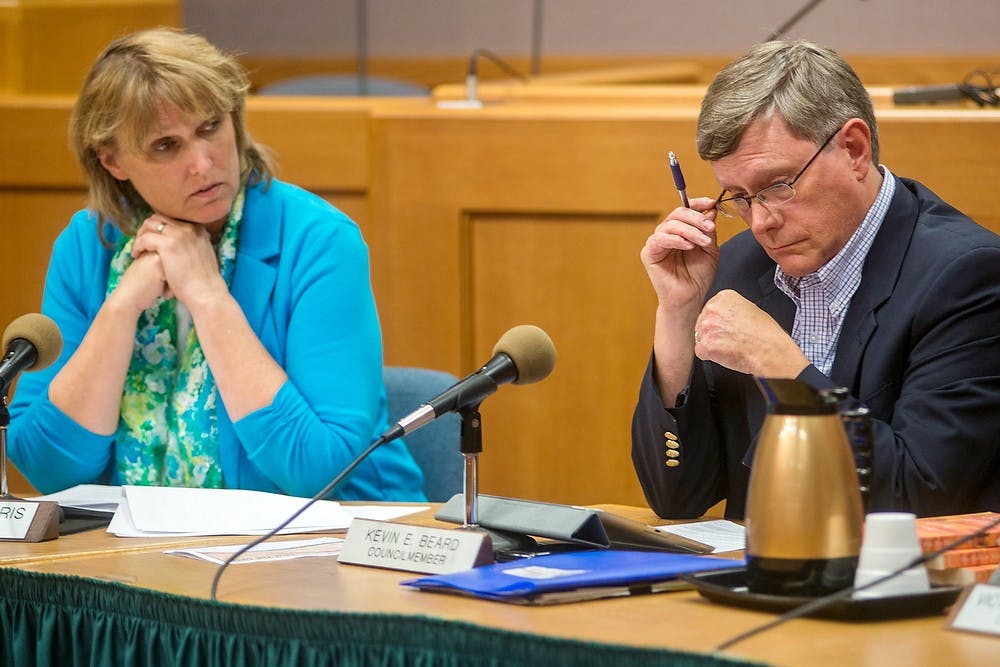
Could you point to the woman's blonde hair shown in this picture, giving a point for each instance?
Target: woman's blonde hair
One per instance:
(123, 95)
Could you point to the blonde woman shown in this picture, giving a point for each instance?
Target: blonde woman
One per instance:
(219, 325)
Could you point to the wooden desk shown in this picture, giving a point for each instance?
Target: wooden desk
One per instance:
(98, 542)
(680, 620)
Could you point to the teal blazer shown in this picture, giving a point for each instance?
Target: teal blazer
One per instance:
(302, 279)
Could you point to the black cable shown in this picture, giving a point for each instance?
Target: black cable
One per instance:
(795, 18)
(978, 85)
(820, 603)
(496, 60)
(361, 47)
(982, 92)
(320, 494)
(537, 14)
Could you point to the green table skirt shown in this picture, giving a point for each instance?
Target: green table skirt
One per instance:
(56, 621)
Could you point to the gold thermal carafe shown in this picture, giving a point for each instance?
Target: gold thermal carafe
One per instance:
(804, 516)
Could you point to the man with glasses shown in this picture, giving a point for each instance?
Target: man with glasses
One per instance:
(847, 276)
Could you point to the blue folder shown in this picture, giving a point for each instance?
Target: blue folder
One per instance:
(574, 576)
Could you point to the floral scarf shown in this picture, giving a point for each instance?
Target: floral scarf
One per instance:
(168, 431)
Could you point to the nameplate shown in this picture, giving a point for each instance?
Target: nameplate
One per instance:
(15, 519)
(978, 610)
(399, 546)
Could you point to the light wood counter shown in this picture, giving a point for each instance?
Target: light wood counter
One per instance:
(677, 620)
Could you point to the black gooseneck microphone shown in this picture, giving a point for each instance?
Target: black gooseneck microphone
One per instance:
(30, 343)
(523, 355)
(472, 72)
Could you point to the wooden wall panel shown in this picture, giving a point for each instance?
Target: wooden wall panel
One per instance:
(484, 219)
(48, 45)
(489, 220)
(577, 277)
(34, 143)
(27, 244)
(320, 143)
(953, 153)
(874, 69)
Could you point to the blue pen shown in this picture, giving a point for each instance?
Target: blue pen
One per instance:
(675, 169)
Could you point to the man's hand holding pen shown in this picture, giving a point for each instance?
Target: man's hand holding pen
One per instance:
(680, 257)
(681, 254)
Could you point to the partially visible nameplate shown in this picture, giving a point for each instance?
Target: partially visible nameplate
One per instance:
(400, 546)
(978, 610)
(28, 521)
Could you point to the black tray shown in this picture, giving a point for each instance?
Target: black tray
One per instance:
(729, 587)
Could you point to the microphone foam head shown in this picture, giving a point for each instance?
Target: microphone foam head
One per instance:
(41, 332)
(531, 350)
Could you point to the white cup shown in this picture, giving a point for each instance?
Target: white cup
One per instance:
(890, 542)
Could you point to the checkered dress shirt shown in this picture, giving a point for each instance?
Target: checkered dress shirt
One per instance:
(821, 297)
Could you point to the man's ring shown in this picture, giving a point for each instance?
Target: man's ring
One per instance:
(696, 338)
(160, 227)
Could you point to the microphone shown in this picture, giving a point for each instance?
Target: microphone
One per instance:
(30, 343)
(950, 92)
(523, 355)
(472, 100)
(928, 94)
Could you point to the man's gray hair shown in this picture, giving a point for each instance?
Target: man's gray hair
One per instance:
(813, 89)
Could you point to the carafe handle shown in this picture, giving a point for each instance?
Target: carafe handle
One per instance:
(858, 426)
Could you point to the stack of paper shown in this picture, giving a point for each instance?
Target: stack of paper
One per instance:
(88, 499)
(723, 535)
(156, 511)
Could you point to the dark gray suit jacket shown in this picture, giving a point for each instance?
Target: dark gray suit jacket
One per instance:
(920, 347)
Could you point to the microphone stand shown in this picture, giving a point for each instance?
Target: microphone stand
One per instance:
(43, 522)
(4, 423)
(471, 447)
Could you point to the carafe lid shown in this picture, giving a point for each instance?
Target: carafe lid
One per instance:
(794, 397)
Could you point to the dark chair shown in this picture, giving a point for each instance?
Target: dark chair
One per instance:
(435, 447)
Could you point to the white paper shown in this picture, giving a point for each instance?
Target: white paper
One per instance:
(93, 497)
(381, 512)
(268, 551)
(722, 534)
(155, 511)
(221, 511)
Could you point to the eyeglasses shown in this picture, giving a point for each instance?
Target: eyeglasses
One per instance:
(772, 195)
